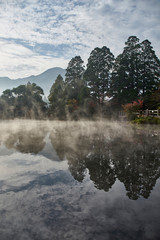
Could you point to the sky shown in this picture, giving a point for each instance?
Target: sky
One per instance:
(36, 35)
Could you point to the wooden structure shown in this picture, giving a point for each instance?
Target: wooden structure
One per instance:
(146, 113)
(141, 113)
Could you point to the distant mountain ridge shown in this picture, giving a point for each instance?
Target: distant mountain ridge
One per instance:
(44, 80)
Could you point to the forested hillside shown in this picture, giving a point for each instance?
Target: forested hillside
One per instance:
(44, 80)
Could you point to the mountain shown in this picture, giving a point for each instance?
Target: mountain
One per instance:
(44, 80)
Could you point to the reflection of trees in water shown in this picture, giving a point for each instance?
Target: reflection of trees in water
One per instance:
(107, 154)
(137, 164)
(134, 161)
(58, 140)
(26, 141)
(77, 158)
(99, 163)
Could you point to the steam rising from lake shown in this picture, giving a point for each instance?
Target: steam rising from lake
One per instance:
(30, 135)
(69, 129)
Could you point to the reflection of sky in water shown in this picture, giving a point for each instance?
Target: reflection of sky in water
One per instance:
(40, 199)
(48, 150)
(4, 151)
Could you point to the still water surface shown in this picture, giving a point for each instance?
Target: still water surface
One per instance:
(79, 180)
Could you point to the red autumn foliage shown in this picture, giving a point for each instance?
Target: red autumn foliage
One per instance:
(134, 106)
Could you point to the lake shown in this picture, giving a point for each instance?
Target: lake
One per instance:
(79, 180)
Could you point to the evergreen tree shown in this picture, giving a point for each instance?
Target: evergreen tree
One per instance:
(136, 72)
(74, 71)
(149, 69)
(57, 98)
(125, 77)
(98, 72)
(57, 89)
(74, 78)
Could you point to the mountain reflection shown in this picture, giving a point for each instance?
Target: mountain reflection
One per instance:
(108, 155)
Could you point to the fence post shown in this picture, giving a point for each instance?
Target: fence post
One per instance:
(146, 112)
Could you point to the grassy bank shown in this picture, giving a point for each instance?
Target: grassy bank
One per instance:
(146, 120)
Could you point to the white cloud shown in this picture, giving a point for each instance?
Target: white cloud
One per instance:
(18, 61)
(84, 24)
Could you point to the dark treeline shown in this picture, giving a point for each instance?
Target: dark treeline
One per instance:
(101, 88)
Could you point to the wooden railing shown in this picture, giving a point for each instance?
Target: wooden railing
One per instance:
(144, 113)
(153, 113)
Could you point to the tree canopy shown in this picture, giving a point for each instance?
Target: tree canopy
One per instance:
(98, 72)
(136, 72)
(23, 101)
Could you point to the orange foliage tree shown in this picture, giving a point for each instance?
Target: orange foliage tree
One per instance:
(132, 108)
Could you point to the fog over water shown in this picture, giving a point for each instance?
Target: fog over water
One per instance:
(79, 180)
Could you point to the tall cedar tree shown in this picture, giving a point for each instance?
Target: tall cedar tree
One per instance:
(149, 69)
(125, 77)
(57, 98)
(136, 72)
(74, 78)
(98, 72)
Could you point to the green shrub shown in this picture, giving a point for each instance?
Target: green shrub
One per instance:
(147, 120)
